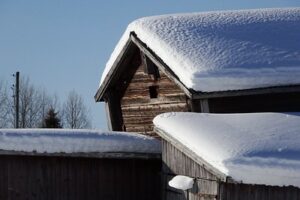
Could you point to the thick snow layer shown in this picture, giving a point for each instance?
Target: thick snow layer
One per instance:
(75, 141)
(259, 148)
(182, 182)
(224, 50)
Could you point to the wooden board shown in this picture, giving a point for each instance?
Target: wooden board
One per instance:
(230, 191)
(64, 178)
(177, 163)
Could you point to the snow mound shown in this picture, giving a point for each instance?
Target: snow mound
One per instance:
(258, 148)
(224, 50)
(75, 141)
(182, 182)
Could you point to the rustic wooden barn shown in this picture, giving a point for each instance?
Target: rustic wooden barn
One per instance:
(138, 90)
(179, 158)
(26, 174)
(140, 83)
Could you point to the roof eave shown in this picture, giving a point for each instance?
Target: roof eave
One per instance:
(116, 155)
(246, 92)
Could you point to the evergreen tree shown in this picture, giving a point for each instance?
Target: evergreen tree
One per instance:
(51, 120)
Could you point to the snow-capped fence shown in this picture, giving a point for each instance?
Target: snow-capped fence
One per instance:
(76, 165)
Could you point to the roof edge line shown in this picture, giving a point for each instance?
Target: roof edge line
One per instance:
(245, 92)
(116, 155)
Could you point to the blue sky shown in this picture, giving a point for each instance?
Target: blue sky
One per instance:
(64, 44)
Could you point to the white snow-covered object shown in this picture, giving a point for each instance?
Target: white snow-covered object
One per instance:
(181, 182)
(75, 141)
(256, 148)
(223, 50)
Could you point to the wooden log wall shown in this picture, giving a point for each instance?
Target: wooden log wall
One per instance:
(139, 109)
(177, 163)
(69, 178)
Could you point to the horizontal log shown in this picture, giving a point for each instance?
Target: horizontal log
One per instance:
(146, 107)
(139, 121)
(146, 79)
(157, 101)
(161, 88)
(139, 128)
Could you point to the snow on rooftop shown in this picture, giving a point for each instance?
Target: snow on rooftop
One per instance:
(258, 148)
(224, 50)
(75, 141)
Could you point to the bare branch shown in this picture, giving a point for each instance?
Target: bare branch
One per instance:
(75, 112)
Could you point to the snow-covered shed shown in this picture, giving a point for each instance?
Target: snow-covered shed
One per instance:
(218, 62)
(78, 164)
(250, 156)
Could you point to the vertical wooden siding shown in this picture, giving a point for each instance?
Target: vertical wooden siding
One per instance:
(177, 163)
(208, 187)
(63, 178)
(239, 191)
(138, 109)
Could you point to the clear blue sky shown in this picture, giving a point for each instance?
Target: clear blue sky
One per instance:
(64, 44)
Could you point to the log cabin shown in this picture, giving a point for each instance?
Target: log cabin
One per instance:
(249, 156)
(211, 62)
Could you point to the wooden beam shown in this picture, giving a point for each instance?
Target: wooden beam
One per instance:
(107, 112)
(233, 93)
(149, 67)
(115, 155)
(204, 105)
(115, 112)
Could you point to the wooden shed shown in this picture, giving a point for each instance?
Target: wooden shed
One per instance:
(51, 164)
(231, 156)
(214, 62)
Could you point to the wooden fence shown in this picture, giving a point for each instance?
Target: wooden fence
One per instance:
(78, 178)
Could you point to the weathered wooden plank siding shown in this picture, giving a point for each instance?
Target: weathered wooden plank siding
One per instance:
(208, 186)
(65, 178)
(239, 191)
(177, 163)
(139, 109)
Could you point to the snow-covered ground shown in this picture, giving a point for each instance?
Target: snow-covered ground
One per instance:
(258, 148)
(224, 50)
(75, 141)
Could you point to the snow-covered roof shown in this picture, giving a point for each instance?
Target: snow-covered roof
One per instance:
(75, 141)
(223, 50)
(258, 148)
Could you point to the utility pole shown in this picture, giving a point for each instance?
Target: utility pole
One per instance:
(17, 99)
